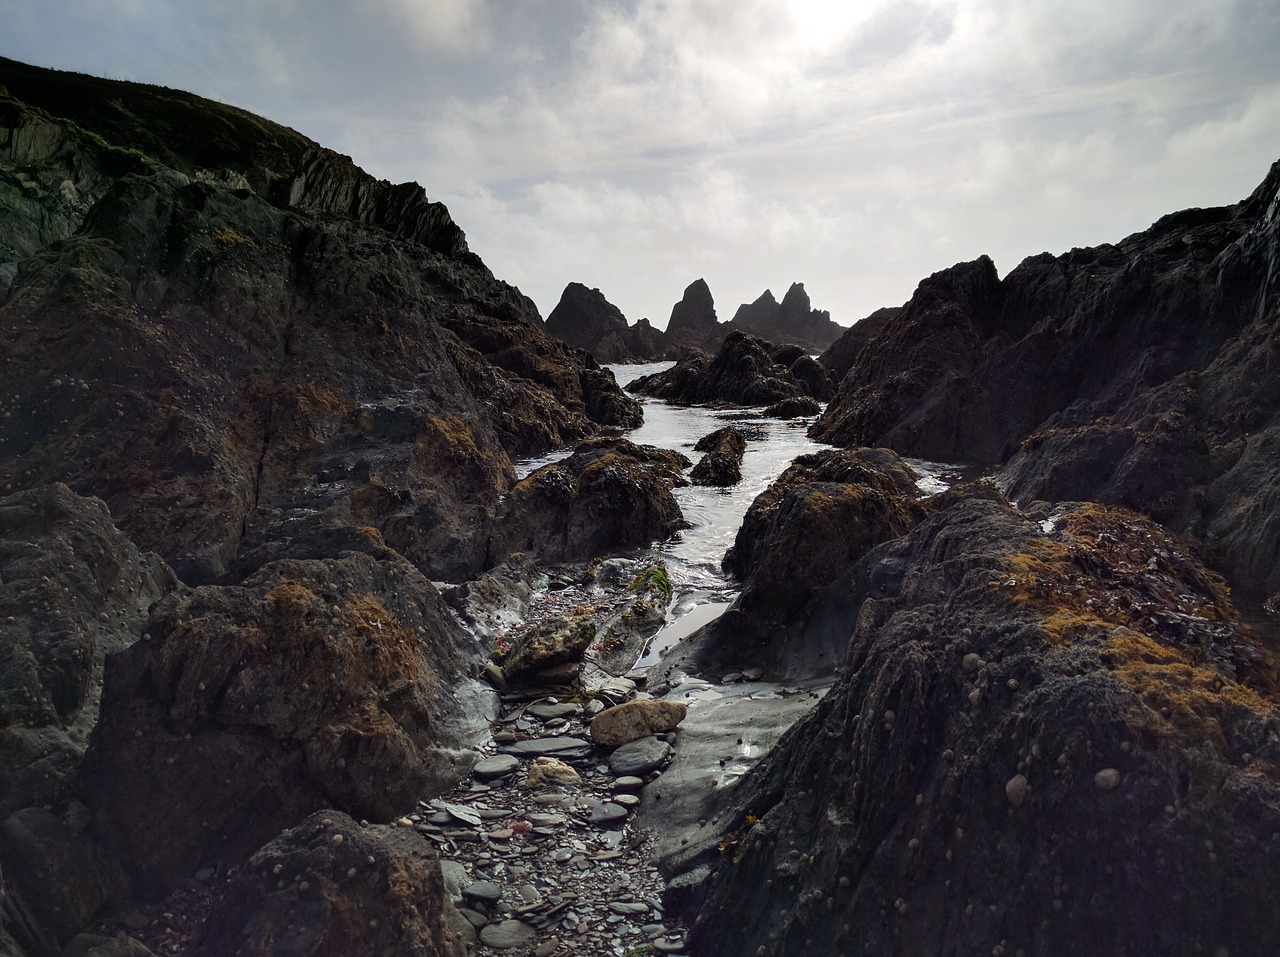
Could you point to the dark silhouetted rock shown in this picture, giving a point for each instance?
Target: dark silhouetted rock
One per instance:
(639, 343)
(228, 359)
(609, 494)
(1100, 663)
(244, 708)
(693, 319)
(799, 407)
(841, 354)
(722, 462)
(792, 321)
(1139, 374)
(584, 316)
(330, 888)
(745, 371)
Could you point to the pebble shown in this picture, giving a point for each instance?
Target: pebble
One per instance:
(628, 782)
(558, 746)
(606, 813)
(1108, 779)
(551, 710)
(1016, 789)
(482, 892)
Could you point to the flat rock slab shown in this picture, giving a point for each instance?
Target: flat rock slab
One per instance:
(549, 710)
(483, 892)
(498, 766)
(557, 747)
(507, 935)
(640, 757)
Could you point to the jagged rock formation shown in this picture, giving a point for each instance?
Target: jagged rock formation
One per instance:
(293, 385)
(791, 321)
(1140, 374)
(585, 319)
(220, 367)
(1059, 742)
(693, 319)
(745, 371)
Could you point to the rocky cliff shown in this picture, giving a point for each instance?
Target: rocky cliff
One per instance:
(585, 319)
(1139, 374)
(254, 403)
(793, 320)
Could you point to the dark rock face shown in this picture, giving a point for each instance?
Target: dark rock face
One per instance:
(810, 527)
(226, 366)
(609, 494)
(329, 888)
(1139, 374)
(841, 354)
(1056, 743)
(314, 684)
(721, 463)
(745, 371)
(799, 407)
(791, 321)
(74, 589)
(584, 316)
(693, 318)
(640, 343)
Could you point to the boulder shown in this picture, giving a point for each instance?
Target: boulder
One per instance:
(806, 530)
(245, 708)
(721, 463)
(1112, 674)
(558, 641)
(545, 771)
(634, 720)
(609, 494)
(791, 321)
(638, 758)
(800, 406)
(74, 589)
(330, 887)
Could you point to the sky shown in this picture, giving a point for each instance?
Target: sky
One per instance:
(637, 145)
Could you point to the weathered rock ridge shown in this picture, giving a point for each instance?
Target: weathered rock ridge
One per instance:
(1048, 742)
(793, 321)
(1140, 374)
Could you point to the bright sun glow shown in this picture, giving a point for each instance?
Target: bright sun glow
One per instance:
(823, 23)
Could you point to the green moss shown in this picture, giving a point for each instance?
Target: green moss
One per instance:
(654, 577)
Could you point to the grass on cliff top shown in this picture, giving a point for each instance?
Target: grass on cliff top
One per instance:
(1160, 621)
(178, 129)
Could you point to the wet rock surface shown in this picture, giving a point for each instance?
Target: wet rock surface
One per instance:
(721, 463)
(1108, 669)
(745, 370)
(609, 494)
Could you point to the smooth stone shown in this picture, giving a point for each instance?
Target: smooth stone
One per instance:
(204, 874)
(474, 917)
(594, 707)
(634, 720)
(550, 711)
(626, 800)
(547, 948)
(507, 935)
(603, 814)
(628, 783)
(733, 677)
(559, 747)
(640, 757)
(500, 765)
(753, 674)
(665, 946)
(484, 892)
(1108, 779)
(629, 908)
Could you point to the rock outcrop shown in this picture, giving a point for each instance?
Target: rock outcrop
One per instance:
(609, 494)
(1139, 374)
(840, 356)
(693, 319)
(793, 320)
(224, 366)
(809, 528)
(1049, 742)
(329, 888)
(721, 463)
(314, 684)
(745, 371)
(585, 319)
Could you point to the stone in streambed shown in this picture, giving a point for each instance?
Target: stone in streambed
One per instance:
(500, 765)
(640, 757)
(635, 720)
(547, 772)
(507, 935)
(564, 747)
(604, 813)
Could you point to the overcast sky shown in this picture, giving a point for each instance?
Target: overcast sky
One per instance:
(637, 145)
